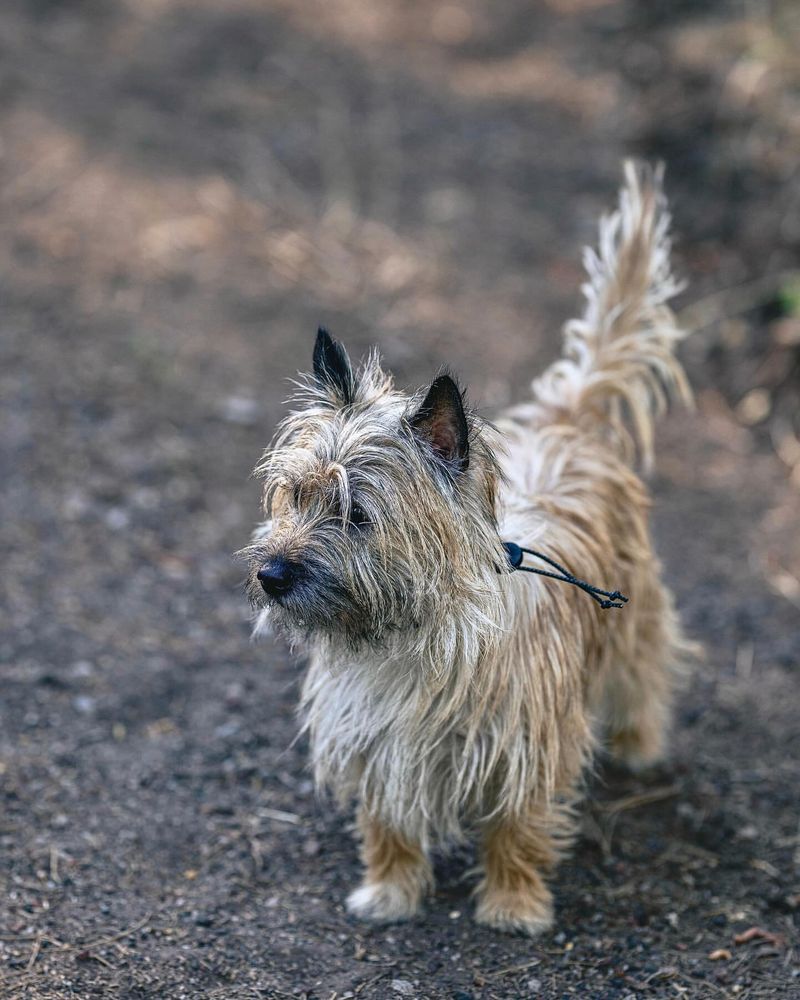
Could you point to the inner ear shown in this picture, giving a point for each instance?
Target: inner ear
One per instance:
(441, 423)
(332, 368)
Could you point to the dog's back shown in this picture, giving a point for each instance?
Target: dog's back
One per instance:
(571, 489)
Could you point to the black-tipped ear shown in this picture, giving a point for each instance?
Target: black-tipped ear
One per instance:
(440, 422)
(332, 367)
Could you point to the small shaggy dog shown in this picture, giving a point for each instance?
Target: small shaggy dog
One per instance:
(447, 692)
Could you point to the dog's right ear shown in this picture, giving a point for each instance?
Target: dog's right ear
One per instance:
(332, 368)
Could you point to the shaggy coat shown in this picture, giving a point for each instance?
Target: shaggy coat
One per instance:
(446, 692)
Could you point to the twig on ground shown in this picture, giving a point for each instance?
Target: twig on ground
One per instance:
(100, 942)
(37, 946)
(513, 968)
(640, 799)
(280, 816)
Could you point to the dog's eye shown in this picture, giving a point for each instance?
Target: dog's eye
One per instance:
(358, 517)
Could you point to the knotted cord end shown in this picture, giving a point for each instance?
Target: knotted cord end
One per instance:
(613, 599)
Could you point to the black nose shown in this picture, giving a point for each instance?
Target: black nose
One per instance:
(276, 577)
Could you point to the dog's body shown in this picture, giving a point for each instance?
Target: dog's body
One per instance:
(445, 691)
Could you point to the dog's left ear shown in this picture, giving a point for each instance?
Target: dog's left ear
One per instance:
(332, 368)
(441, 423)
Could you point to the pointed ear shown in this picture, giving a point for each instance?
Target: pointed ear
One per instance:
(332, 368)
(440, 422)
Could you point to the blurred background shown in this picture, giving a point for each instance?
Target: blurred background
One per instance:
(187, 191)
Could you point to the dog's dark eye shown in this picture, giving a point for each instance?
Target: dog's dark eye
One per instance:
(358, 517)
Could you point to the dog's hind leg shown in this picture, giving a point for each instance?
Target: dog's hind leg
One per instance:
(397, 874)
(647, 662)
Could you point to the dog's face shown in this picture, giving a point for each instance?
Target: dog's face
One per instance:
(376, 502)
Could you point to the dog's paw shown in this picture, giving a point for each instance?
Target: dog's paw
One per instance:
(636, 751)
(382, 902)
(517, 912)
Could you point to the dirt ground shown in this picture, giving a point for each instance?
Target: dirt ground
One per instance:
(187, 190)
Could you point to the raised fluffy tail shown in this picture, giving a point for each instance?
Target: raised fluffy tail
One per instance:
(618, 371)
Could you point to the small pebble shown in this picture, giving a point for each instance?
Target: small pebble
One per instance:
(403, 987)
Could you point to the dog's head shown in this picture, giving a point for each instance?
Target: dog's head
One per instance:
(380, 506)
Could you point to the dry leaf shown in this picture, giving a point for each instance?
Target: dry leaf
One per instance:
(757, 933)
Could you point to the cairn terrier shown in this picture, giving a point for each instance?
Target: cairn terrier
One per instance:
(447, 692)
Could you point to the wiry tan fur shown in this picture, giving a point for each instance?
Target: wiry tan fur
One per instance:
(446, 692)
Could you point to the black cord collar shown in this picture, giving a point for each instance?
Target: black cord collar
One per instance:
(605, 598)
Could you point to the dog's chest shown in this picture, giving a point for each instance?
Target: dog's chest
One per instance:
(420, 767)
